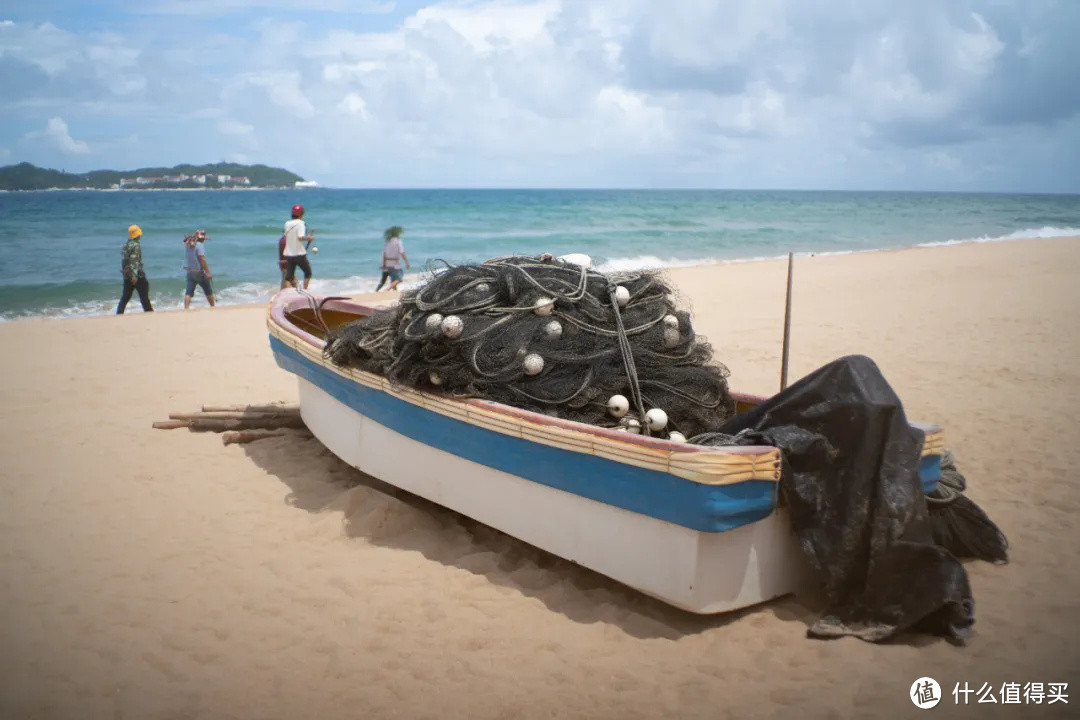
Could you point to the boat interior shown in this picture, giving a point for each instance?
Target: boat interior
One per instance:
(318, 316)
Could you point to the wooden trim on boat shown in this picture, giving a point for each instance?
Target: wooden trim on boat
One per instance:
(933, 444)
(700, 464)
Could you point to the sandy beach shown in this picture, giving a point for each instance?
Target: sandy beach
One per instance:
(159, 574)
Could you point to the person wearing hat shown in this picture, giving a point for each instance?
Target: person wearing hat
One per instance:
(393, 254)
(296, 235)
(131, 265)
(198, 272)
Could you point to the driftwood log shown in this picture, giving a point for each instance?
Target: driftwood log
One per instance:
(245, 436)
(270, 408)
(240, 423)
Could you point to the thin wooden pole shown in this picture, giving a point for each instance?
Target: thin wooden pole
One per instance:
(787, 325)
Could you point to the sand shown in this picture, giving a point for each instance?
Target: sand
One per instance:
(160, 574)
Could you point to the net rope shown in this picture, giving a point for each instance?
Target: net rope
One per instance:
(549, 336)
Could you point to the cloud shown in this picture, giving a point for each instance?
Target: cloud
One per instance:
(232, 127)
(1035, 75)
(863, 93)
(57, 136)
(489, 27)
(283, 91)
(353, 104)
(49, 67)
(217, 8)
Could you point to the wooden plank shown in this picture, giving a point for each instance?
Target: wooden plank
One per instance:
(236, 415)
(269, 408)
(231, 437)
(170, 424)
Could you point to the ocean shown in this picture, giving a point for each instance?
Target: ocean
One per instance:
(61, 249)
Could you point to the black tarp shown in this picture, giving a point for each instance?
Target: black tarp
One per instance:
(851, 485)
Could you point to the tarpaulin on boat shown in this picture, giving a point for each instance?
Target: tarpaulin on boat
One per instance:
(851, 484)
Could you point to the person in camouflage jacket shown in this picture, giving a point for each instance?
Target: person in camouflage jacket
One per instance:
(131, 265)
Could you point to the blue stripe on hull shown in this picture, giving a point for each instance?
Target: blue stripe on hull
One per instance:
(708, 508)
(930, 472)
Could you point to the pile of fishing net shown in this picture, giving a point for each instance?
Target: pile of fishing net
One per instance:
(550, 336)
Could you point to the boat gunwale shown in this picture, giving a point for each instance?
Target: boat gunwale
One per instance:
(762, 461)
(280, 306)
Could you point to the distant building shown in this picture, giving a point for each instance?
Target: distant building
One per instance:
(305, 184)
(188, 180)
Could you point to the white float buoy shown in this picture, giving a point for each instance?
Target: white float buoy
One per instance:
(433, 322)
(577, 259)
(452, 326)
(656, 419)
(676, 436)
(622, 296)
(434, 378)
(544, 306)
(671, 337)
(315, 250)
(671, 321)
(618, 405)
(483, 288)
(533, 363)
(631, 424)
(553, 330)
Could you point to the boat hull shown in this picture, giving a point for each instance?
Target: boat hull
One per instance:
(699, 571)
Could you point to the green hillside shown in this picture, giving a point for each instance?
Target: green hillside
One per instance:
(25, 176)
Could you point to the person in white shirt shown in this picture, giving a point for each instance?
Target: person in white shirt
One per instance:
(392, 257)
(297, 241)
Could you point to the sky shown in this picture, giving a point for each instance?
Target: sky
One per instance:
(951, 95)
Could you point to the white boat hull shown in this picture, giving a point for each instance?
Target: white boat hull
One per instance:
(699, 571)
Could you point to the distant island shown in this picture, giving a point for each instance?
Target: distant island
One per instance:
(25, 176)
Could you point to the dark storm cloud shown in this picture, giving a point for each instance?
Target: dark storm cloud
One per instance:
(20, 79)
(1036, 76)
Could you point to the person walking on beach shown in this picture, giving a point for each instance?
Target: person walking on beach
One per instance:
(392, 256)
(198, 272)
(131, 265)
(296, 235)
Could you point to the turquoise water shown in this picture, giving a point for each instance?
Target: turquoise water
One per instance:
(62, 248)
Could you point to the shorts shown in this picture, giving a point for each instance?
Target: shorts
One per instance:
(198, 278)
(296, 261)
(396, 274)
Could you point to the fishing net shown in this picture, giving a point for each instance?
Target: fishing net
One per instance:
(549, 336)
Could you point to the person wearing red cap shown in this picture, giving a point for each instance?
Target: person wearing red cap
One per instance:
(297, 240)
(131, 266)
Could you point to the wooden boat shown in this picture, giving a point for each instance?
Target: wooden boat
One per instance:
(696, 527)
